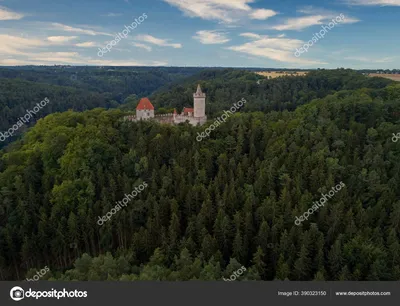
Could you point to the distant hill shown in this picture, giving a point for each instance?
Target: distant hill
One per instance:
(227, 86)
(118, 81)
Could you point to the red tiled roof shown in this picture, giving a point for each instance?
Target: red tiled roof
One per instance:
(188, 110)
(145, 104)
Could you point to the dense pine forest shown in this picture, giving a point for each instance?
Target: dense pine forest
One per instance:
(224, 87)
(120, 81)
(216, 205)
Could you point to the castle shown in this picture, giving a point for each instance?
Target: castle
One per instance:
(195, 115)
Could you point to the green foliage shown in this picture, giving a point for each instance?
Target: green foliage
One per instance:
(76, 88)
(212, 206)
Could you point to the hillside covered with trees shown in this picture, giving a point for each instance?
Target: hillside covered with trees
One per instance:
(224, 87)
(77, 88)
(216, 205)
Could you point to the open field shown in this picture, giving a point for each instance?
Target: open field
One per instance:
(277, 74)
(394, 77)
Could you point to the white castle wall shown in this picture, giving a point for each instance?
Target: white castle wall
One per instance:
(171, 119)
(144, 114)
(192, 120)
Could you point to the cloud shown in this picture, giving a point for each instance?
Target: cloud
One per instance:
(61, 39)
(112, 15)
(327, 14)
(87, 44)
(370, 60)
(262, 14)
(157, 41)
(16, 50)
(251, 35)
(350, 20)
(374, 2)
(15, 45)
(210, 10)
(250, 58)
(211, 37)
(300, 23)
(225, 11)
(6, 14)
(77, 61)
(58, 57)
(143, 46)
(275, 48)
(67, 28)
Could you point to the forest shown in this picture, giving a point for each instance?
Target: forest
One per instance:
(214, 206)
(77, 88)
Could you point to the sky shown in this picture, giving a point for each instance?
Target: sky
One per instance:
(358, 34)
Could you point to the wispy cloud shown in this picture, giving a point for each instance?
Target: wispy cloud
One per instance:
(225, 11)
(275, 48)
(61, 39)
(370, 60)
(112, 15)
(67, 28)
(16, 50)
(318, 17)
(300, 23)
(212, 9)
(143, 46)
(157, 41)
(374, 2)
(251, 35)
(15, 45)
(77, 61)
(211, 37)
(87, 44)
(262, 14)
(6, 14)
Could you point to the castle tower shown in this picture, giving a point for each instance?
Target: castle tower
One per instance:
(199, 103)
(144, 110)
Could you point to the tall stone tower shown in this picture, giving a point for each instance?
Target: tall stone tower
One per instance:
(199, 103)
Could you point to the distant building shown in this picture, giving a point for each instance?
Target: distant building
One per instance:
(188, 111)
(144, 110)
(199, 103)
(195, 115)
